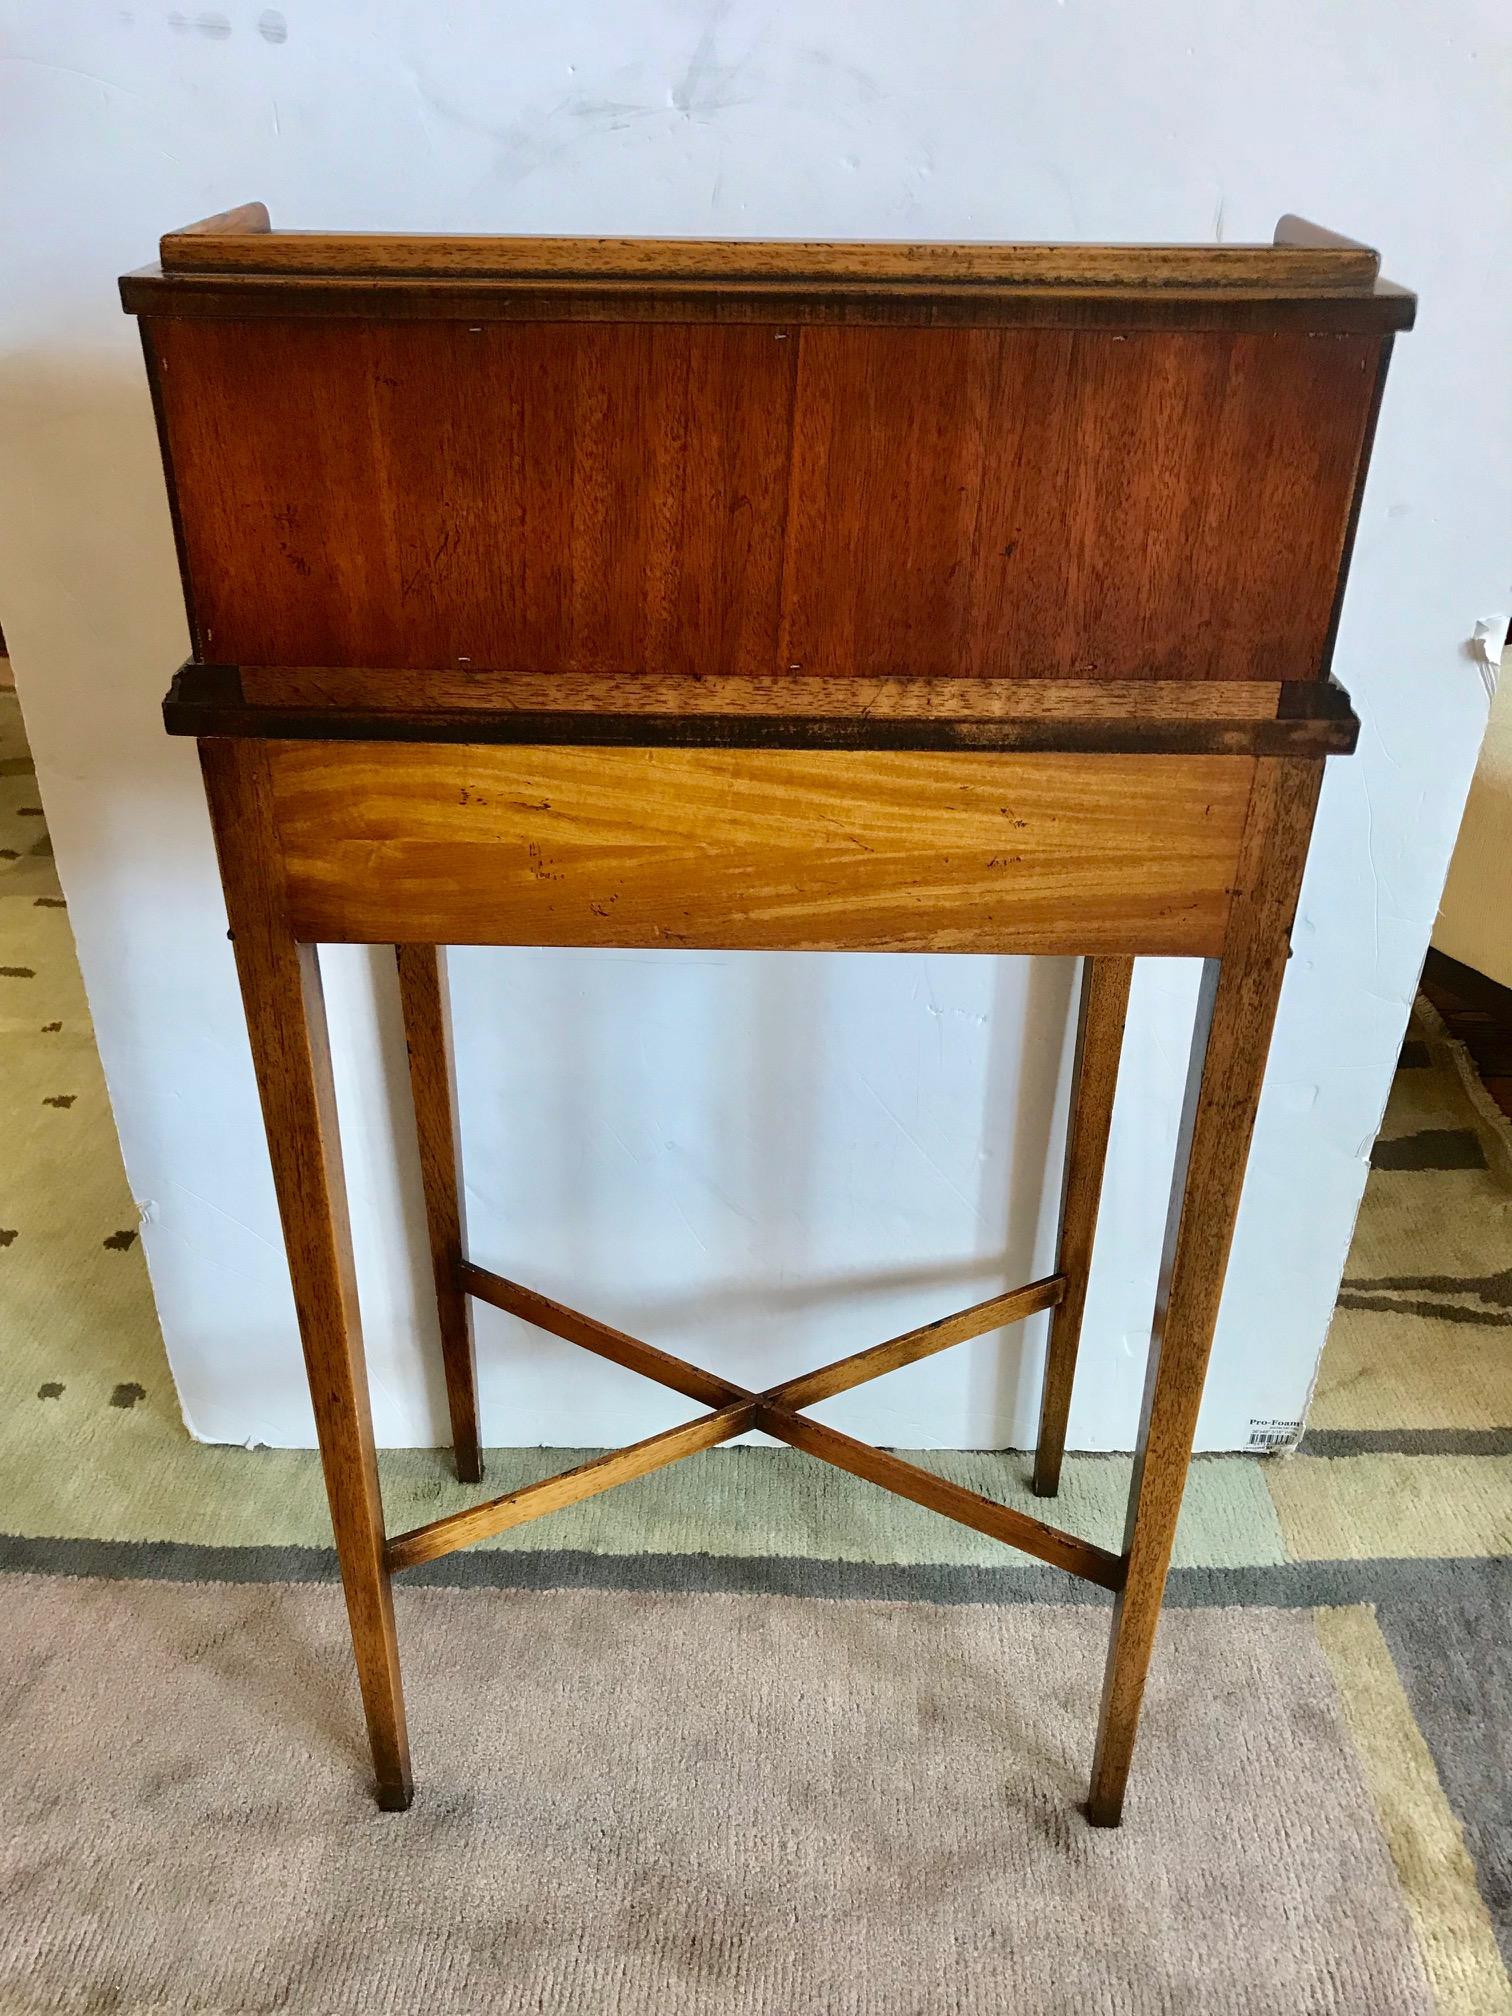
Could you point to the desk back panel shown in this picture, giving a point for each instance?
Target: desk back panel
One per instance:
(699, 498)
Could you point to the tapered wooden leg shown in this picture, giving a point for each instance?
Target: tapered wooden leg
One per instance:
(1099, 1041)
(427, 1032)
(1235, 1016)
(280, 984)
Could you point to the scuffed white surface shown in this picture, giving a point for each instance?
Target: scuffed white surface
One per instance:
(759, 1163)
(1487, 642)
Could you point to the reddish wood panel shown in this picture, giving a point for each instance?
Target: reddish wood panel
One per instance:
(889, 442)
(1071, 504)
(539, 496)
(840, 502)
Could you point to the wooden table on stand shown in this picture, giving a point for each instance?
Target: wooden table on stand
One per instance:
(801, 597)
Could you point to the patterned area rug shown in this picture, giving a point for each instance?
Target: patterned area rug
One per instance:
(746, 1735)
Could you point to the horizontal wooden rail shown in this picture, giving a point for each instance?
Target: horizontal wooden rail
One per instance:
(938, 1494)
(844, 1373)
(774, 1411)
(1300, 717)
(818, 696)
(240, 241)
(618, 1466)
(575, 1328)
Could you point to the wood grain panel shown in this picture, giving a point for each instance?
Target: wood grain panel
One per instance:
(800, 850)
(592, 499)
(889, 443)
(1077, 505)
(554, 497)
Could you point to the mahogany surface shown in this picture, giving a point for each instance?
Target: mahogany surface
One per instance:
(552, 497)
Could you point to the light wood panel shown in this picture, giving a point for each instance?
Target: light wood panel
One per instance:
(794, 850)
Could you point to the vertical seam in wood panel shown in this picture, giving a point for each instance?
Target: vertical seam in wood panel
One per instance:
(383, 486)
(664, 571)
(968, 654)
(784, 612)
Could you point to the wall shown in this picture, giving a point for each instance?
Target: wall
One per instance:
(760, 1163)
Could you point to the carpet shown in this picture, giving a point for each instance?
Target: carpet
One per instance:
(669, 1803)
(747, 1734)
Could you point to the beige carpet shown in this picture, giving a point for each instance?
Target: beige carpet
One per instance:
(668, 1803)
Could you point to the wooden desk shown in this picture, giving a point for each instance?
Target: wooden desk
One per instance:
(973, 598)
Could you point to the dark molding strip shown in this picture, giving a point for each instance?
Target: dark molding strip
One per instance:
(246, 296)
(1287, 1586)
(206, 701)
(1336, 1442)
